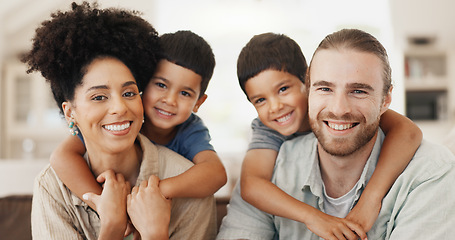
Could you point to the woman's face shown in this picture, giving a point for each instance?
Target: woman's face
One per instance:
(107, 107)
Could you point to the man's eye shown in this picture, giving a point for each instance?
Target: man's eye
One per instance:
(324, 89)
(359, 92)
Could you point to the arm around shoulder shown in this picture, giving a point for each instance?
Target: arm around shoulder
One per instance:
(203, 179)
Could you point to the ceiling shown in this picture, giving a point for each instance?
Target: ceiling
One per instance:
(424, 18)
(415, 18)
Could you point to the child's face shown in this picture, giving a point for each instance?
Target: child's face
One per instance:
(171, 95)
(280, 100)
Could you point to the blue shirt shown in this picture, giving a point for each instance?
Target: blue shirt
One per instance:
(419, 205)
(191, 138)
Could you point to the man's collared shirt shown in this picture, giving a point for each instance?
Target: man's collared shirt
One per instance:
(420, 204)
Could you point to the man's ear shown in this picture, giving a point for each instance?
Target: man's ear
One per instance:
(387, 100)
(67, 111)
(199, 102)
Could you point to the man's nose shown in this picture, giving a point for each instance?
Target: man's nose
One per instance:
(340, 104)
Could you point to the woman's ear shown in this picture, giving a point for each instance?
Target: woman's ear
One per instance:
(199, 102)
(67, 111)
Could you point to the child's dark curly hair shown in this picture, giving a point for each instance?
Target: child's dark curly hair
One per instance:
(65, 45)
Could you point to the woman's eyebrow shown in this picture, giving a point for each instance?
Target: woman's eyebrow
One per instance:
(129, 83)
(97, 87)
(126, 84)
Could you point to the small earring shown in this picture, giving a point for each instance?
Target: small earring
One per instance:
(143, 120)
(73, 129)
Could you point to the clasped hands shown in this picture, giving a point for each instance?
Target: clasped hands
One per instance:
(146, 207)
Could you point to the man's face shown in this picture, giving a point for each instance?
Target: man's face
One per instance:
(345, 99)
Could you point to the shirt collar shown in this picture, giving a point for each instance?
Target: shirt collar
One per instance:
(314, 183)
(149, 166)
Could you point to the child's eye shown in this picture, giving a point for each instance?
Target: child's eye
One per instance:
(259, 100)
(99, 98)
(185, 93)
(160, 85)
(282, 89)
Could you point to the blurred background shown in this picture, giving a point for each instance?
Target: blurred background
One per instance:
(419, 36)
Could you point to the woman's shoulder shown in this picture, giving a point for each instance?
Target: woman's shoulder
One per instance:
(48, 183)
(172, 163)
(165, 161)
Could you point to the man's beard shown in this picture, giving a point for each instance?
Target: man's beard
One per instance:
(343, 146)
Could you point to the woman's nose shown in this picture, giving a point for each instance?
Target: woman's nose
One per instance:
(118, 106)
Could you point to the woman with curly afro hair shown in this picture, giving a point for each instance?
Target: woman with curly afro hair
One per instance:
(97, 62)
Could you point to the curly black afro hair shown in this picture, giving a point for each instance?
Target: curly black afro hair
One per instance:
(67, 43)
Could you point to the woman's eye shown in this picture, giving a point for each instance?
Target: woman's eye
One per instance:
(129, 94)
(99, 98)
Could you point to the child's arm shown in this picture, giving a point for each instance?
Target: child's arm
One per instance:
(68, 162)
(257, 170)
(201, 180)
(402, 139)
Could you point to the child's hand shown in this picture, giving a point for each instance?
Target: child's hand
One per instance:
(111, 204)
(365, 213)
(148, 207)
(330, 227)
(129, 230)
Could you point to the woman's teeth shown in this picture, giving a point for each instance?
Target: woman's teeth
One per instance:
(119, 127)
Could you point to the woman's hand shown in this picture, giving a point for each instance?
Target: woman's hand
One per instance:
(111, 204)
(149, 210)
